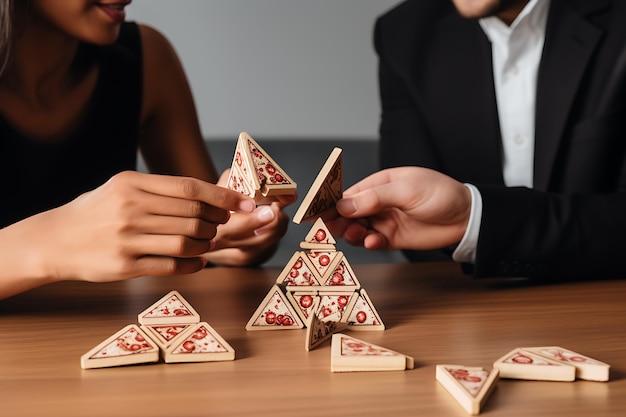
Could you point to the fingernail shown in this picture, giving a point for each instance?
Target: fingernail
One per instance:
(261, 231)
(265, 214)
(346, 206)
(247, 206)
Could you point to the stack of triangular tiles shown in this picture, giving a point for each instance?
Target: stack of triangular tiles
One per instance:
(318, 280)
(254, 173)
(170, 326)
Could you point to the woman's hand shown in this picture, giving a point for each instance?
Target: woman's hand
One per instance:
(133, 225)
(251, 238)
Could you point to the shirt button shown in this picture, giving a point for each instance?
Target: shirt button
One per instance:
(519, 140)
(514, 70)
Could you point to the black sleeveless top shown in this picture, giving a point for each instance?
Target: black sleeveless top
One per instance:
(36, 176)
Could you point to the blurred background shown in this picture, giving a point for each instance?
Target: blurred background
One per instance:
(298, 75)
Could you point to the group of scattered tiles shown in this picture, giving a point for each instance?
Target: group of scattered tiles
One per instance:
(471, 386)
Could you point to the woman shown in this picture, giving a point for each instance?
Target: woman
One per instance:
(81, 91)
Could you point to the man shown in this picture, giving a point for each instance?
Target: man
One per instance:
(524, 100)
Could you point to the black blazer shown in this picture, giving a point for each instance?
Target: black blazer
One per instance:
(439, 111)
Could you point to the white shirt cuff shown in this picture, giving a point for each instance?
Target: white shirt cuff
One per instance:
(466, 251)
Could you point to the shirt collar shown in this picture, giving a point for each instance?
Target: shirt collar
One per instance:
(533, 18)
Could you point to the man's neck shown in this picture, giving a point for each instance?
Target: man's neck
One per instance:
(508, 16)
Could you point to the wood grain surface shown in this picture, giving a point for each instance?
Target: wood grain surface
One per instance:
(432, 312)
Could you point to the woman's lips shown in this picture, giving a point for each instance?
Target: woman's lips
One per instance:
(114, 10)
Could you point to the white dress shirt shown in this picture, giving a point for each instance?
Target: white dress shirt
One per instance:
(516, 53)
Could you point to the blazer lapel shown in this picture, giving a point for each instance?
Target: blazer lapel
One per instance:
(458, 84)
(570, 42)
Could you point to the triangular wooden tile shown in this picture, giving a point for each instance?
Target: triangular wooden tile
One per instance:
(469, 386)
(362, 314)
(336, 302)
(319, 331)
(238, 181)
(272, 178)
(170, 309)
(586, 368)
(246, 180)
(164, 334)
(298, 272)
(522, 364)
(319, 237)
(342, 278)
(323, 262)
(325, 191)
(275, 313)
(304, 302)
(349, 354)
(199, 343)
(128, 346)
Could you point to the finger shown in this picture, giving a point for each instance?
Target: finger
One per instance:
(188, 188)
(371, 181)
(262, 216)
(179, 207)
(243, 225)
(192, 227)
(169, 245)
(338, 226)
(166, 266)
(355, 234)
(375, 241)
(237, 233)
(278, 225)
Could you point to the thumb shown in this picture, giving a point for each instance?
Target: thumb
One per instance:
(372, 201)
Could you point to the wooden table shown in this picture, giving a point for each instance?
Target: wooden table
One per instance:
(432, 312)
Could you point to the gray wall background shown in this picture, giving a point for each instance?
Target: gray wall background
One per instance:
(275, 68)
(298, 75)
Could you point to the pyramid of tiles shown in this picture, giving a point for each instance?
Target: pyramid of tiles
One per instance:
(170, 329)
(318, 280)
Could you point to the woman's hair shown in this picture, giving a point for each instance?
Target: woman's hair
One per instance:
(6, 33)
